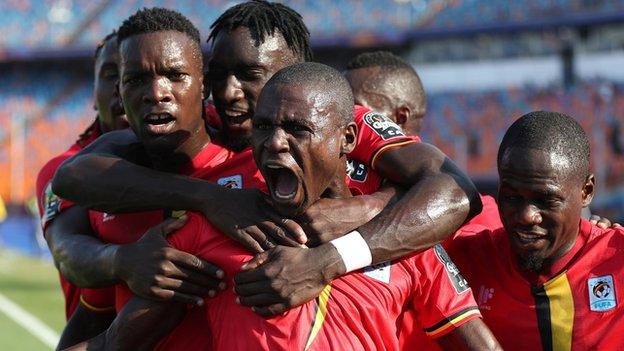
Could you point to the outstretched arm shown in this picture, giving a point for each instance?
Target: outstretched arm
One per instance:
(439, 200)
(110, 176)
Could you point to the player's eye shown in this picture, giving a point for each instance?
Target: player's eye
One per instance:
(296, 128)
(132, 80)
(175, 76)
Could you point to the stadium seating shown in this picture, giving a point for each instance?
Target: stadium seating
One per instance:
(470, 125)
(454, 122)
(50, 24)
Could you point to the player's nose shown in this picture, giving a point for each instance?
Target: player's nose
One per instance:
(277, 142)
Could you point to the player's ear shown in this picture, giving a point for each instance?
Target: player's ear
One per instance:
(349, 138)
(588, 190)
(402, 115)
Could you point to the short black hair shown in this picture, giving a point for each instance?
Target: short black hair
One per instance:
(262, 18)
(378, 59)
(550, 132)
(320, 76)
(102, 43)
(398, 71)
(156, 19)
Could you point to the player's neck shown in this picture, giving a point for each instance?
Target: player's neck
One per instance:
(191, 147)
(338, 187)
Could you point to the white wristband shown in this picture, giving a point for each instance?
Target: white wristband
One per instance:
(353, 250)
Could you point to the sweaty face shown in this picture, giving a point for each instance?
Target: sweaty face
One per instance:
(297, 145)
(367, 91)
(540, 199)
(238, 70)
(110, 113)
(161, 88)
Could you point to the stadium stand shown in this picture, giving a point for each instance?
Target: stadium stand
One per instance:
(53, 23)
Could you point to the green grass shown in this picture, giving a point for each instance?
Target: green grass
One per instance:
(32, 284)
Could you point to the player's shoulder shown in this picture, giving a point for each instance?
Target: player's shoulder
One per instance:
(611, 237)
(49, 168)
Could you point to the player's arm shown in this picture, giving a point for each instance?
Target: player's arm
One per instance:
(150, 267)
(439, 199)
(83, 325)
(138, 326)
(108, 176)
(474, 335)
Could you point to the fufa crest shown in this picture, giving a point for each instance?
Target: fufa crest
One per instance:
(232, 182)
(601, 292)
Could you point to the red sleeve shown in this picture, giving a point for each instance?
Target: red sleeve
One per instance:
(376, 134)
(49, 204)
(489, 216)
(98, 300)
(443, 300)
(361, 179)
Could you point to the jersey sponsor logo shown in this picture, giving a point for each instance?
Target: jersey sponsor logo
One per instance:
(380, 271)
(107, 217)
(459, 282)
(357, 171)
(601, 293)
(383, 125)
(232, 182)
(485, 294)
(51, 205)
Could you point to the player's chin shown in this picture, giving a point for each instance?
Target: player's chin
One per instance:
(293, 206)
(164, 142)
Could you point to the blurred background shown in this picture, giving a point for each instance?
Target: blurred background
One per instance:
(483, 64)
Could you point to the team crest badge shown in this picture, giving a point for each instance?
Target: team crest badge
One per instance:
(232, 182)
(383, 125)
(601, 293)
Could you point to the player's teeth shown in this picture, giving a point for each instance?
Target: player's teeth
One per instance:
(274, 167)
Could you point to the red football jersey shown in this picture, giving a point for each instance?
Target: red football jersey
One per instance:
(51, 205)
(357, 311)
(575, 304)
(376, 134)
(214, 163)
(489, 216)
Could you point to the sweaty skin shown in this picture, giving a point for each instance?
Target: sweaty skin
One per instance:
(162, 75)
(299, 137)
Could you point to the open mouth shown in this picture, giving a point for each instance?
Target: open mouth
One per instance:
(283, 183)
(529, 238)
(235, 117)
(159, 123)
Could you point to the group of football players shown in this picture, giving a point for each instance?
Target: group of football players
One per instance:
(268, 202)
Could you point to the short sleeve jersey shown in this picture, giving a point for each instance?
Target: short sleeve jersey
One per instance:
(50, 205)
(577, 304)
(358, 311)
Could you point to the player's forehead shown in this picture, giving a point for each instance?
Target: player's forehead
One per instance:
(301, 102)
(238, 47)
(109, 52)
(162, 48)
(531, 168)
